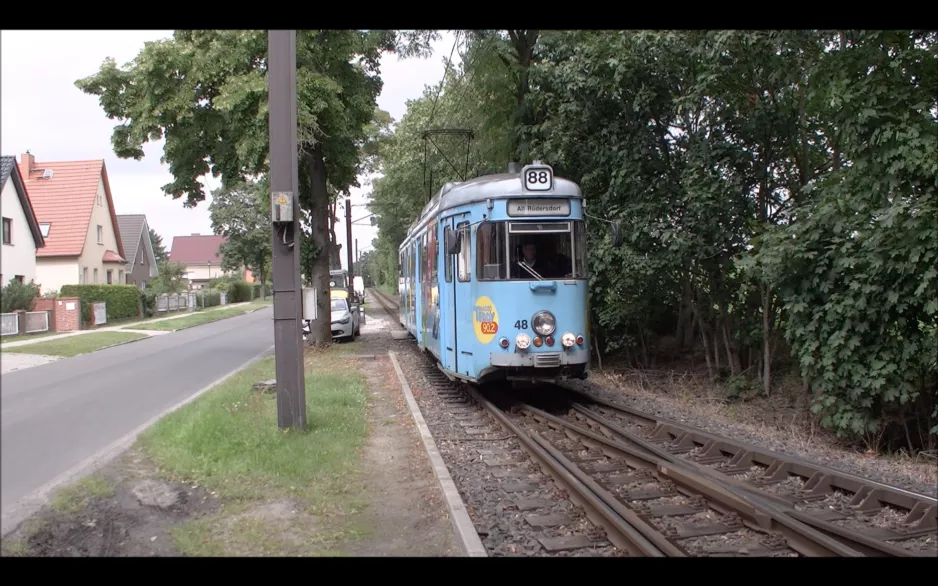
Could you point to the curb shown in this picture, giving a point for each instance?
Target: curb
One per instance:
(465, 529)
(33, 502)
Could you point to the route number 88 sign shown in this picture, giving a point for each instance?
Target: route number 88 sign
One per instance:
(537, 178)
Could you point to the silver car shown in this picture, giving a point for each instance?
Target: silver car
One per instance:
(345, 321)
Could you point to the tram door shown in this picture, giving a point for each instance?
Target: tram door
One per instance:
(462, 306)
(448, 300)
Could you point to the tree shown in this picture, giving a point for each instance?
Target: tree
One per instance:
(159, 251)
(205, 93)
(16, 296)
(170, 279)
(776, 191)
(241, 213)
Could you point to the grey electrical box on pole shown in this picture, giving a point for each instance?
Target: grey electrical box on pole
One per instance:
(281, 206)
(284, 185)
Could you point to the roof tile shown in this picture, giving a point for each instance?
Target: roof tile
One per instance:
(197, 250)
(65, 201)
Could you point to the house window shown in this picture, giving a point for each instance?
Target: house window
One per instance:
(7, 231)
(109, 273)
(44, 229)
(96, 276)
(19, 278)
(100, 235)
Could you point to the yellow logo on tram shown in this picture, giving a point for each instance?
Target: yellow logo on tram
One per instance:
(484, 319)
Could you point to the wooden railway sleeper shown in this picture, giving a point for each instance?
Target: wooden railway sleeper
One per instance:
(805, 539)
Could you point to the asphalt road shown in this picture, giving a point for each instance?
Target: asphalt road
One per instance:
(57, 415)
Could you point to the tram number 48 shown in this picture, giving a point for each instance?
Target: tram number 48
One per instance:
(521, 324)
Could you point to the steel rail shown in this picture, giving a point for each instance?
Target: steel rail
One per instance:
(757, 513)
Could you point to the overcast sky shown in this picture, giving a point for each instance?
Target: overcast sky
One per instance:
(45, 113)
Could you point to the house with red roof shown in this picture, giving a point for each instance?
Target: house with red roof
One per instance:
(72, 201)
(21, 233)
(202, 257)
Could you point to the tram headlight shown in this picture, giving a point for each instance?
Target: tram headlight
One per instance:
(523, 341)
(544, 323)
(568, 340)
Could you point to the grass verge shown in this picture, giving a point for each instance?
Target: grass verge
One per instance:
(25, 337)
(196, 319)
(79, 344)
(75, 497)
(284, 492)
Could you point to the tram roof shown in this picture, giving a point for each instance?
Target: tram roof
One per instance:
(495, 186)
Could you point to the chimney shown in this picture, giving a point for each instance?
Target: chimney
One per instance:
(194, 234)
(27, 162)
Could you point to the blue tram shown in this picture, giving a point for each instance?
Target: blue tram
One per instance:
(493, 278)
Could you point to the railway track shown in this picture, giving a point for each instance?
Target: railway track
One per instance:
(663, 489)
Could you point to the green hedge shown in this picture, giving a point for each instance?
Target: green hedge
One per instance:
(208, 298)
(123, 301)
(240, 291)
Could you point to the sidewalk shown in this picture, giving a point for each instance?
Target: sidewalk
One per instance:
(124, 327)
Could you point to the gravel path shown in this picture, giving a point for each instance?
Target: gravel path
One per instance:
(517, 509)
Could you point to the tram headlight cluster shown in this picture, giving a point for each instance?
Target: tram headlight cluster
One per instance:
(523, 341)
(568, 340)
(544, 323)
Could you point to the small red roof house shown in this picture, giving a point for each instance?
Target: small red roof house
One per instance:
(202, 257)
(72, 201)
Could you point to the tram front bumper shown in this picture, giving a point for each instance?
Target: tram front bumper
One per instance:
(539, 359)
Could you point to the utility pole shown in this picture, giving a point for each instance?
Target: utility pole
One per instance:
(358, 258)
(284, 187)
(348, 245)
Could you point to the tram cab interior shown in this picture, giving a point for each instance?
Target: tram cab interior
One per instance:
(531, 251)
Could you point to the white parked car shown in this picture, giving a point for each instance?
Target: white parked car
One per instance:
(345, 322)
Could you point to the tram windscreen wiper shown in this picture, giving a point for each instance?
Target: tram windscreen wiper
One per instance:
(530, 270)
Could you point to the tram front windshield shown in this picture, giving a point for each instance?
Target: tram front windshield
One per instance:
(338, 281)
(531, 251)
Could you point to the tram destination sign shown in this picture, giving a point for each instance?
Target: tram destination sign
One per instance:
(521, 208)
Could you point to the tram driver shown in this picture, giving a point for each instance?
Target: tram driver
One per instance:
(530, 259)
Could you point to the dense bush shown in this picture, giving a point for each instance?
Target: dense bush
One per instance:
(208, 298)
(239, 291)
(148, 300)
(123, 301)
(16, 296)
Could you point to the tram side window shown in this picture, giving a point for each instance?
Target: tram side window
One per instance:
(423, 259)
(434, 251)
(581, 269)
(447, 257)
(464, 272)
(490, 242)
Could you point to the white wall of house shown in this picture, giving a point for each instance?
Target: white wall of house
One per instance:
(52, 273)
(18, 257)
(204, 273)
(94, 249)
